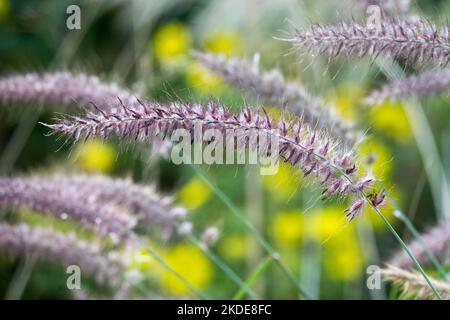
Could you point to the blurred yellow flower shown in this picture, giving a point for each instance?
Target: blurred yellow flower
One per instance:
(287, 227)
(325, 223)
(278, 113)
(344, 261)
(225, 42)
(171, 42)
(283, 184)
(346, 99)
(194, 194)
(202, 80)
(96, 156)
(376, 157)
(233, 247)
(390, 119)
(191, 264)
(4, 9)
(343, 258)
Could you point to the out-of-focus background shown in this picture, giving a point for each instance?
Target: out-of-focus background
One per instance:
(145, 46)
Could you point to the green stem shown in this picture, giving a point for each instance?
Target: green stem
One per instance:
(398, 213)
(405, 247)
(176, 274)
(226, 269)
(254, 276)
(267, 247)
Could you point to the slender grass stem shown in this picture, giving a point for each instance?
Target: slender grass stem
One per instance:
(417, 236)
(224, 267)
(405, 247)
(260, 269)
(267, 247)
(163, 263)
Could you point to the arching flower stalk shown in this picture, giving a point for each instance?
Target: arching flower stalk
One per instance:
(310, 150)
(44, 244)
(414, 284)
(66, 202)
(274, 90)
(143, 201)
(426, 83)
(418, 41)
(436, 240)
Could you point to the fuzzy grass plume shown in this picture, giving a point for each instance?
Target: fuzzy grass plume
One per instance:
(415, 41)
(414, 285)
(426, 83)
(274, 90)
(44, 244)
(61, 88)
(142, 201)
(66, 201)
(310, 150)
(110, 206)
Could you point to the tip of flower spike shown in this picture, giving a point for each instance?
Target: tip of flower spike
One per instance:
(56, 127)
(355, 209)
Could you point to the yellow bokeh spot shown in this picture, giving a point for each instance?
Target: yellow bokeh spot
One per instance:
(202, 80)
(325, 223)
(342, 254)
(284, 183)
(345, 262)
(389, 118)
(375, 157)
(171, 42)
(224, 42)
(191, 264)
(287, 227)
(96, 156)
(233, 247)
(194, 194)
(4, 9)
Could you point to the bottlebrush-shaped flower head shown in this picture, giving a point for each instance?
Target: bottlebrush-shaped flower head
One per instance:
(142, 201)
(64, 89)
(310, 150)
(426, 83)
(66, 201)
(273, 89)
(415, 284)
(61, 88)
(51, 246)
(418, 41)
